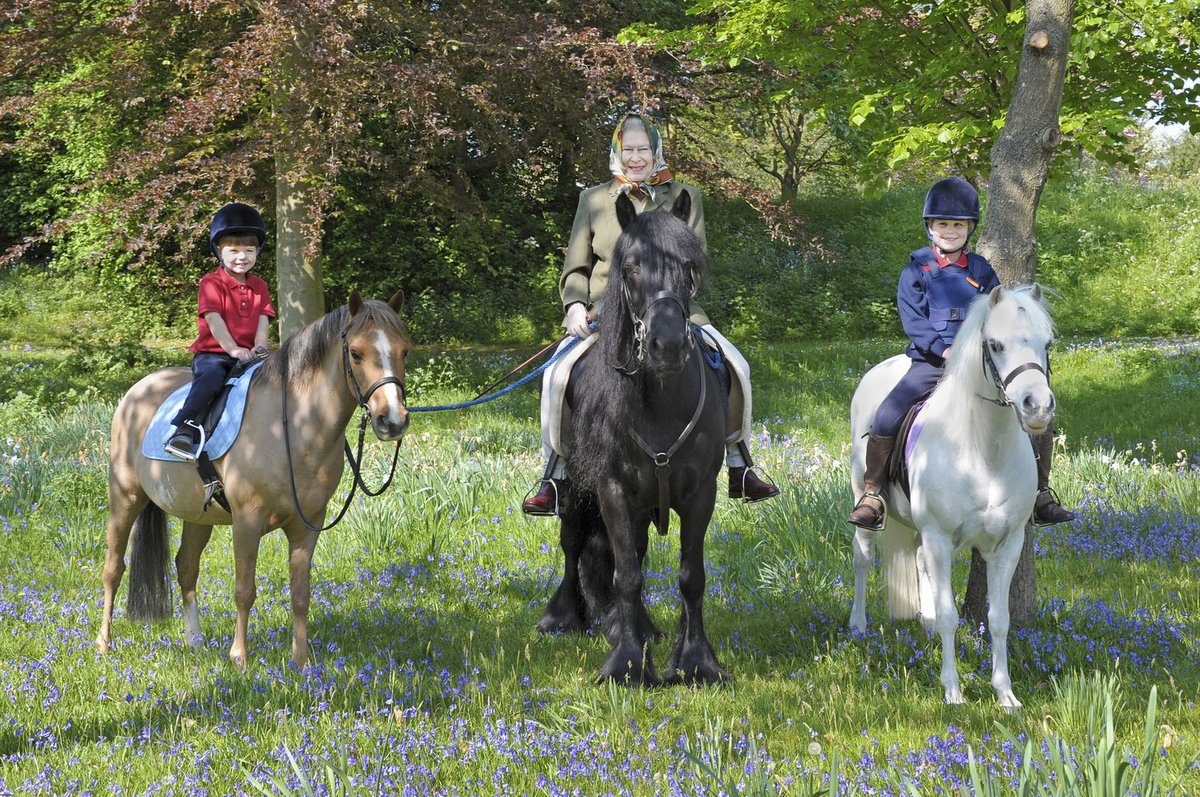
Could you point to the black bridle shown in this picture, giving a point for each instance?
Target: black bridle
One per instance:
(989, 365)
(662, 459)
(638, 322)
(354, 458)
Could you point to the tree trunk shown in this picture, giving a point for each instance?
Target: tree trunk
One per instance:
(301, 298)
(1020, 161)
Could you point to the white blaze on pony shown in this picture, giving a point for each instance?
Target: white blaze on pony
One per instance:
(972, 474)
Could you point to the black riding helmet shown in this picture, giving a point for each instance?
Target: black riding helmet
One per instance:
(952, 198)
(233, 219)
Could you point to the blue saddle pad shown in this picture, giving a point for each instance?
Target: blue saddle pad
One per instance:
(222, 436)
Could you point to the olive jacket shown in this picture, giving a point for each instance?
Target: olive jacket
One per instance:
(594, 237)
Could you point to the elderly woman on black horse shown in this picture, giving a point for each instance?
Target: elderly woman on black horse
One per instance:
(638, 170)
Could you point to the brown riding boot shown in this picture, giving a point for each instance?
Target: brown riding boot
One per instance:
(747, 485)
(868, 512)
(1046, 508)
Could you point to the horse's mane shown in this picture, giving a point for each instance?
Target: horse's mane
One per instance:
(965, 376)
(305, 352)
(670, 257)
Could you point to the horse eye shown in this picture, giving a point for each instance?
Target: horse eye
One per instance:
(354, 355)
(996, 346)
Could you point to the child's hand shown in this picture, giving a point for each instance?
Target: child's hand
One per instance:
(241, 355)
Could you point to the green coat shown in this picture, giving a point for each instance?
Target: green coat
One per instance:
(594, 236)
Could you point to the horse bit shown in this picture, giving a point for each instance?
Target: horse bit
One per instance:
(662, 459)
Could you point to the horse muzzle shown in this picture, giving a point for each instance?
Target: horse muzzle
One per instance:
(1035, 411)
(390, 426)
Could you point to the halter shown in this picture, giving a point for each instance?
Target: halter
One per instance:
(355, 459)
(639, 328)
(1002, 384)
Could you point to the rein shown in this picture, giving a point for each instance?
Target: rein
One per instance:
(989, 365)
(355, 459)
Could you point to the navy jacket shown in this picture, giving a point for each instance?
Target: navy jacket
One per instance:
(933, 300)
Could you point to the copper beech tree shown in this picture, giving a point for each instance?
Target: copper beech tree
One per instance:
(150, 113)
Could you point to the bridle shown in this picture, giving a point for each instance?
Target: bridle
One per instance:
(638, 358)
(354, 458)
(989, 365)
(662, 459)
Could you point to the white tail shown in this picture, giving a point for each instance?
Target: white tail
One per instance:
(898, 555)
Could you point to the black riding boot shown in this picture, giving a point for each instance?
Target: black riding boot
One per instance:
(1046, 509)
(868, 512)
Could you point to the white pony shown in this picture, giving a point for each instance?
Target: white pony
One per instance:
(971, 472)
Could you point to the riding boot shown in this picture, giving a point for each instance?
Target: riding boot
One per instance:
(545, 501)
(1046, 508)
(869, 511)
(184, 441)
(744, 483)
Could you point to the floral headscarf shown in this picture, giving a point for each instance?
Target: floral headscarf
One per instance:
(660, 174)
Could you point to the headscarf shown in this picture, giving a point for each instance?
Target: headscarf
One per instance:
(659, 173)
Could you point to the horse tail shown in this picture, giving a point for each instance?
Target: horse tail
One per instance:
(898, 553)
(149, 590)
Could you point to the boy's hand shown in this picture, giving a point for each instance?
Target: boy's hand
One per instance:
(241, 355)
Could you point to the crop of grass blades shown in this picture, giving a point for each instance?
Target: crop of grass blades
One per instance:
(427, 674)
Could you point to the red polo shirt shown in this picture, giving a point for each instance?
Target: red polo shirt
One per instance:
(240, 304)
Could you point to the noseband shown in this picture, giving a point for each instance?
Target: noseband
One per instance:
(989, 365)
(639, 328)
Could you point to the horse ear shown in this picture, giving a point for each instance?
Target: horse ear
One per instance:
(994, 296)
(355, 303)
(1035, 291)
(626, 212)
(397, 301)
(683, 206)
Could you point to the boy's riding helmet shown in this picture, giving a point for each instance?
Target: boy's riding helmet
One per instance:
(952, 198)
(233, 219)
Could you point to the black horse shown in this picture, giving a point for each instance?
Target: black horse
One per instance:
(649, 423)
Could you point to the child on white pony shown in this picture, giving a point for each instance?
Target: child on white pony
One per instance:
(936, 289)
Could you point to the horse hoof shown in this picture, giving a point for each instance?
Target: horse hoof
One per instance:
(630, 671)
(700, 676)
(101, 646)
(954, 698)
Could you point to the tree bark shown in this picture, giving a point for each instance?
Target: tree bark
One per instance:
(298, 277)
(300, 288)
(1020, 162)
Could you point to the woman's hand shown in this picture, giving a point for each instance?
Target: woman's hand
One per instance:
(576, 320)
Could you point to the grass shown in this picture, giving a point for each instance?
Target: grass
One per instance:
(427, 674)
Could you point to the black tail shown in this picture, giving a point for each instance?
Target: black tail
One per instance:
(149, 589)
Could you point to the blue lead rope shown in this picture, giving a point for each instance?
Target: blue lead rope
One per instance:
(712, 356)
(529, 377)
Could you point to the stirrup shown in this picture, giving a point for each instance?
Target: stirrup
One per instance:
(1033, 517)
(763, 477)
(537, 488)
(883, 512)
(197, 442)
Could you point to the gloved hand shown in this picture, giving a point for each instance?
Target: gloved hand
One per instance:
(576, 320)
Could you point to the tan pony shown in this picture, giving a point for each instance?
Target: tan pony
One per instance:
(280, 472)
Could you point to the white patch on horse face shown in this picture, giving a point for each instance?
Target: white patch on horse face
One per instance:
(391, 391)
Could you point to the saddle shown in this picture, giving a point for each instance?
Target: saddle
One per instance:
(221, 425)
(910, 429)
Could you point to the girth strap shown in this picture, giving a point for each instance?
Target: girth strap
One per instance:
(662, 461)
(213, 489)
